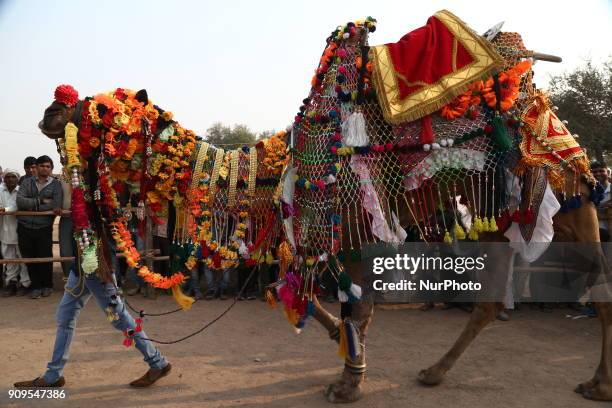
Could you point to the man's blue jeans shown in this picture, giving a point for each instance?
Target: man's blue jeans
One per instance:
(212, 282)
(68, 310)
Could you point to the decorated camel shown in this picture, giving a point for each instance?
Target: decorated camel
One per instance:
(393, 142)
(443, 133)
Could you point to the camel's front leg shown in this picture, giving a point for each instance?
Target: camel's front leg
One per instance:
(348, 387)
(330, 322)
(483, 314)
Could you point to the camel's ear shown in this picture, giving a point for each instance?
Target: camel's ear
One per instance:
(141, 96)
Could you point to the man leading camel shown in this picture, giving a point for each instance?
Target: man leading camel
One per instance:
(78, 291)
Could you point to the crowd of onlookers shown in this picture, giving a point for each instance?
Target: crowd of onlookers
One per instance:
(29, 235)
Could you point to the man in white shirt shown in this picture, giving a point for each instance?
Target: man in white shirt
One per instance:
(16, 277)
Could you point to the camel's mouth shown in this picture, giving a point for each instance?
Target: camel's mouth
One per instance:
(55, 118)
(50, 133)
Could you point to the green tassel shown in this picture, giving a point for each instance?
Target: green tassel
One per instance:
(500, 135)
(89, 262)
(477, 224)
(355, 255)
(459, 232)
(493, 225)
(447, 238)
(485, 225)
(344, 281)
(473, 235)
(341, 256)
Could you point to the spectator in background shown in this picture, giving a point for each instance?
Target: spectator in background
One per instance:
(247, 281)
(29, 167)
(601, 174)
(40, 193)
(217, 282)
(1, 182)
(16, 276)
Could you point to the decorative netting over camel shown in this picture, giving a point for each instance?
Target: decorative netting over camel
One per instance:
(441, 136)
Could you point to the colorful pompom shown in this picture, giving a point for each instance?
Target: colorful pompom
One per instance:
(67, 95)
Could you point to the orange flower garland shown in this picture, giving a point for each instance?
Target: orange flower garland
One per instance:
(124, 242)
(159, 281)
(275, 152)
(509, 82)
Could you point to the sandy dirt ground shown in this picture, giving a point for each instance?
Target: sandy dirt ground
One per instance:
(253, 358)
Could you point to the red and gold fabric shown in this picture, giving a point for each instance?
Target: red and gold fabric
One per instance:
(546, 142)
(429, 67)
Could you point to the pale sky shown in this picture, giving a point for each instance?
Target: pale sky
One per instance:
(246, 62)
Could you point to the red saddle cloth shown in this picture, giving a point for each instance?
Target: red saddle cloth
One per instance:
(430, 66)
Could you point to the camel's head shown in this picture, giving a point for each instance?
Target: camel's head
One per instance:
(60, 112)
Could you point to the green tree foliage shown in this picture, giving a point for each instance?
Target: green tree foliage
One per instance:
(230, 137)
(584, 98)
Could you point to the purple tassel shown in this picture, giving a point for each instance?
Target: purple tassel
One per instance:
(352, 339)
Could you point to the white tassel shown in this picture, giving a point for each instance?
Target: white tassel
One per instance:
(354, 130)
(243, 250)
(331, 179)
(356, 291)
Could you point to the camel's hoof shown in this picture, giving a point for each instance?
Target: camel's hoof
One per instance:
(597, 393)
(582, 387)
(341, 392)
(431, 376)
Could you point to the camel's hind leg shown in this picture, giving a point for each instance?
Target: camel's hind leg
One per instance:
(581, 225)
(483, 314)
(600, 386)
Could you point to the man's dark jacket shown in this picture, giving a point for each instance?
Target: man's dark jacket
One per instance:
(30, 199)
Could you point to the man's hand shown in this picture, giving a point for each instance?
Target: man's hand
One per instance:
(57, 211)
